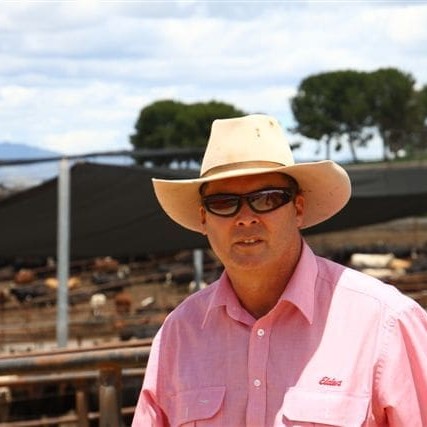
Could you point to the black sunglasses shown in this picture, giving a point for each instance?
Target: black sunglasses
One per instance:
(260, 201)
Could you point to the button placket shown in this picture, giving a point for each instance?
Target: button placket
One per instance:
(257, 367)
(257, 382)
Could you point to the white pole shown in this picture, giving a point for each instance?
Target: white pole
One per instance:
(63, 244)
(198, 267)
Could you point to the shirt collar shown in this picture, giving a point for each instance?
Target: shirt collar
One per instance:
(299, 291)
(224, 296)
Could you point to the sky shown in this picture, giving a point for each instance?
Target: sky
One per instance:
(74, 75)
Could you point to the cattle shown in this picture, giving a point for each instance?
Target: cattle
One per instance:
(4, 295)
(24, 276)
(97, 304)
(147, 302)
(72, 283)
(194, 287)
(123, 303)
(5, 401)
(106, 265)
(362, 260)
(381, 266)
(108, 270)
(27, 293)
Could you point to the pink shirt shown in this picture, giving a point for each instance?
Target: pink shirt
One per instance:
(339, 349)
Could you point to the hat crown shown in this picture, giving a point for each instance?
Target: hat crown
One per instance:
(253, 140)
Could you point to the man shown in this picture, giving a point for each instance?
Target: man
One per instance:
(283, 338)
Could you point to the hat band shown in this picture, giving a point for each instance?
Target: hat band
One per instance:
(240, 165)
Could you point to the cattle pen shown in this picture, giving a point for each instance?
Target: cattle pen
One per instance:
(97, 379)
(107, 366)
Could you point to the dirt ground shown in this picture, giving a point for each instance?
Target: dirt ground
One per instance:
(404, 233)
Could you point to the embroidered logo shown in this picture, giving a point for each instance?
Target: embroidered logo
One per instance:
(330, 381)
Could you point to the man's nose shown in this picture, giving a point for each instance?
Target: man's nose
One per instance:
(246, 215)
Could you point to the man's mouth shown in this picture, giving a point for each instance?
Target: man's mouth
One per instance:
(248, 241)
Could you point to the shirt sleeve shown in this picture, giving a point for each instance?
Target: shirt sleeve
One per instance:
(402, 370)
(148, 412)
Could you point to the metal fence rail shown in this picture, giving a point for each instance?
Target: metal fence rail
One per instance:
(107, 364)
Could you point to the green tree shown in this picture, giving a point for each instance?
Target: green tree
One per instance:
(169, 124)
(347, 106)
(311, 108)
(395, 109)
(423, 103)
(414, 142)
(332, 108)
(422, 132)
(155, 127)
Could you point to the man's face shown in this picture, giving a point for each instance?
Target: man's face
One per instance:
(251, 240)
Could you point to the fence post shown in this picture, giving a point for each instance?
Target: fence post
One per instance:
(110, 397)
(82, 410)
(63, 248)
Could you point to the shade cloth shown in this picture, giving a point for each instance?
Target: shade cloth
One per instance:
(114, 210)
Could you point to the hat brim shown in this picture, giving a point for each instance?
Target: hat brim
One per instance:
(325, 186)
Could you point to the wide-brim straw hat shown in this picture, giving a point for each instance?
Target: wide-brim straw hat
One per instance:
(252, 145)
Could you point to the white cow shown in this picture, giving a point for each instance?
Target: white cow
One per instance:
(97, 303)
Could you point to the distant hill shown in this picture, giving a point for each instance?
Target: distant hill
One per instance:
(10, 150)
(27, 175)
(22, 176)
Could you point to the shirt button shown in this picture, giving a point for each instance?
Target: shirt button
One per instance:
(260, 332)
(257, 383)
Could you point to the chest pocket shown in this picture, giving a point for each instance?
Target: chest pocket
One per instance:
(196, 407)
(329, 408)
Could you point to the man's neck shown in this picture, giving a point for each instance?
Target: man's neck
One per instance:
(259, 290)
(259, 299)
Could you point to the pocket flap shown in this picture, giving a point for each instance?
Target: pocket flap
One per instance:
(333, 408)
(200, 404)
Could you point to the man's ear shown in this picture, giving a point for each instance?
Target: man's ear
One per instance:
(299, 209)
(202, 211)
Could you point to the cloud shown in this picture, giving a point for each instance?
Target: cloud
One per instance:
(81, 141)
(16, 96)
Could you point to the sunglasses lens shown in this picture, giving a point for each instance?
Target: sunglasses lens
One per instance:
(224, 205)
(260, 201)
(268, 200)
